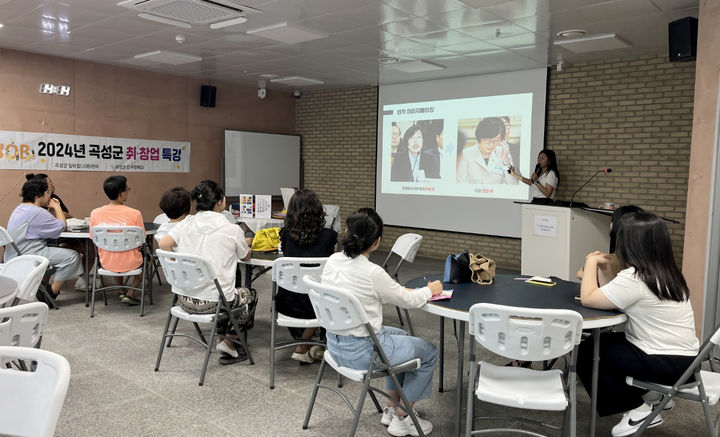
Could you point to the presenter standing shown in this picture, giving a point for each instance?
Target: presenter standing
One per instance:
(545, 179)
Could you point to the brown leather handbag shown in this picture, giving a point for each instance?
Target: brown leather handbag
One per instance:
(482, 268)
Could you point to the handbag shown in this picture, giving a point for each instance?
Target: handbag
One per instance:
(482, 268)
(266, 239)
(457, 268)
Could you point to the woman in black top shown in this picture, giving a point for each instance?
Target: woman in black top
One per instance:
(304, 235)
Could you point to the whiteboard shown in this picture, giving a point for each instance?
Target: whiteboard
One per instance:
(260, 163)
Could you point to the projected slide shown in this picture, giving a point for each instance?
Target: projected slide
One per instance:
(458, 147)
(444, 148)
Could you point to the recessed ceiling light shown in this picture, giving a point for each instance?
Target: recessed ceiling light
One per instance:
(1, 25)
(288, 34)
(387, 60)
(415, 66)
(572, 33)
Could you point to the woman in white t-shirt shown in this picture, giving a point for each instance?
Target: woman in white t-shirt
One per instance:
(545, 179)
(352, 270)
(659, 341)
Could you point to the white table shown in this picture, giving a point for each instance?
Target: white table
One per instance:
(258, 259)
(506, 291)
(255, 224)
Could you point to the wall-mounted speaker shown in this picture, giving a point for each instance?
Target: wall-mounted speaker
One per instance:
(207, 96)
(682, 39)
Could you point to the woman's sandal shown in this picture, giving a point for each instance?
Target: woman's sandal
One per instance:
(518, 363)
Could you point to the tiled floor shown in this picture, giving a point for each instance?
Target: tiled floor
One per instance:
(115, 392)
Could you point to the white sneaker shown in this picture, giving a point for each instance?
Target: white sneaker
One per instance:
(317, 352)
(633, 419)
(80, 284)
(389, 412)
(400, 427)
(387, 415)
(224, 348)
(303, 358)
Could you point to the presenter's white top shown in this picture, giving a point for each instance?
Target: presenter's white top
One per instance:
(547, 178)
(657, 327)
(221, 243)
(372, 285)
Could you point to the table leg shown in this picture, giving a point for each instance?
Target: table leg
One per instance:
(459, 388)
(593, 392)
(442, 353)
(248, 275)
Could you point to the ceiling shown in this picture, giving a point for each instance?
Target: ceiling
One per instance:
(461, 37)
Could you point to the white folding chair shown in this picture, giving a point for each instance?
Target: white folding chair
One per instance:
(37, 395)
(28, 271)
(158, 220)
(7, 240)
(704, 390)
(8, 289)
(118, 239)
(188, 273)
(23, 325)
(339, 310)
(406, 247)
(527, 334)
(287, 272)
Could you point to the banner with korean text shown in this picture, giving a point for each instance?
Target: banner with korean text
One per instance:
(49, 151)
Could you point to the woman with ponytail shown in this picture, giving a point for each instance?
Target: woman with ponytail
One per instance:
(209, 234)
(352, 270)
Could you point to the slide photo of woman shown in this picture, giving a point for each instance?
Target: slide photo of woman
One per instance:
(417, 157)
(486, 155)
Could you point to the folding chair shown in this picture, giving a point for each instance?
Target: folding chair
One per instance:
(28, 271)
(705, 389)
(188, 273)
(337, 309)
(37, 395)
(118, 239)
(5, 240)
(406, 247)
(8, 289)
(159, 220)
(527, 334)
(287, 272)
(23, 325)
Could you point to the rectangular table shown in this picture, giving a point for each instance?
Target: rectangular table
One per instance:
(505, 290)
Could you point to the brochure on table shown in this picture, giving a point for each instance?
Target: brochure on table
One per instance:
(263, 205)
(246, 205)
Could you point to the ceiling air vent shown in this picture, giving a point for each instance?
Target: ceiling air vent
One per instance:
(191, 11)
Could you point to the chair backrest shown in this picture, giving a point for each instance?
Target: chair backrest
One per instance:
(37, 395)
(28, 271)
(117, 238)
(22, 325)
(186, 272)
(407, 245)
(287, 272)
(336, 309)
(6, 239)
(161, 218)
(528, 334)
(8, 289)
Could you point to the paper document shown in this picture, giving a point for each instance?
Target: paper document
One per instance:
(446, 294)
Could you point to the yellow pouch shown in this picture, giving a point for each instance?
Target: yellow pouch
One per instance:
(266, 239)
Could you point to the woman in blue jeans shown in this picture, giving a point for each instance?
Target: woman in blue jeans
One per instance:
(352, 270)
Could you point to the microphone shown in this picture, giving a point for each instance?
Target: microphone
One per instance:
(602, 170)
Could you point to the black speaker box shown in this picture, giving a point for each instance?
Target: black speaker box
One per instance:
(682, 39)
(207, 96)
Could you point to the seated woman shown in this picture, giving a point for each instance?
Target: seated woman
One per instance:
(659, 341)
(304, 235)
(210, 235)
(31, 225)
(353, 271)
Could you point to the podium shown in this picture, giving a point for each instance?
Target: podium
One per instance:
(556, 239)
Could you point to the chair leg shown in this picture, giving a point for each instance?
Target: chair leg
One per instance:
(142, 288)
(242, 341)
(375, 401)
(208, 348)
(273, 320)
(406, 403)
(92, 297)
(397, 308)
(409, 322)
(318, 380)
(174, 328)
(712, 432)
(162, 342)
(361, 401)
(199, 333)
